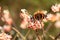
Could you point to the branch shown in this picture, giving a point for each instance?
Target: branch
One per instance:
(48, 27)
(39, 38)
(57, 36)
(27, 33)
(18, 32)
(14, 37)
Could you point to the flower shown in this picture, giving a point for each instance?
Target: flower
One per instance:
(58, 16)
(57, 24)
(55, 8)
(23, 24)
(1, 28)
(25, 19)
(51, 17)
(7, 28)
(8, 36)
(24, 11)
(59, 6)
(4, 36)
(6, 12)
(6, 17)
(9, 21)
(36, 25)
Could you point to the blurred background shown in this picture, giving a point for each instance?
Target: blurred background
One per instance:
(14, 7)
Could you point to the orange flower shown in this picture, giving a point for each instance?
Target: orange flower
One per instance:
(51, 17)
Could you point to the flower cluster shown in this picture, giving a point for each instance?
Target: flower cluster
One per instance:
(6, 17)
(36, 25)
(55, 8)
(31, 22)
(25, 18)
(7, 28)
(3, 35)
(54, 18)
(57, 23)
(36, 21)
(51, 17)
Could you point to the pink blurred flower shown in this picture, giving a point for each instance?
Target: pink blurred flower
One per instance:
(1, 28)
(8, 36)
(57, 16)
(25, 20)
(7, 28)
(55, 8)
(51, 17)
(24, 24)
(6, 13)
(36, 25)
(30, 25)
(6, 17)
(59, 5)
(4, 36)
(9, 21)
(57, 24)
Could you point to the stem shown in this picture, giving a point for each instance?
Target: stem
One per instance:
(38, 35)
(57, 36)
(51, 37)
(18, 32)
(44, 34)
(24, 38)
(48, 27)
(27, 33)
(43, 31)
(14, 37)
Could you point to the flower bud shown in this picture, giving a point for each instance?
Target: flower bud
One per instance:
(7, 28)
